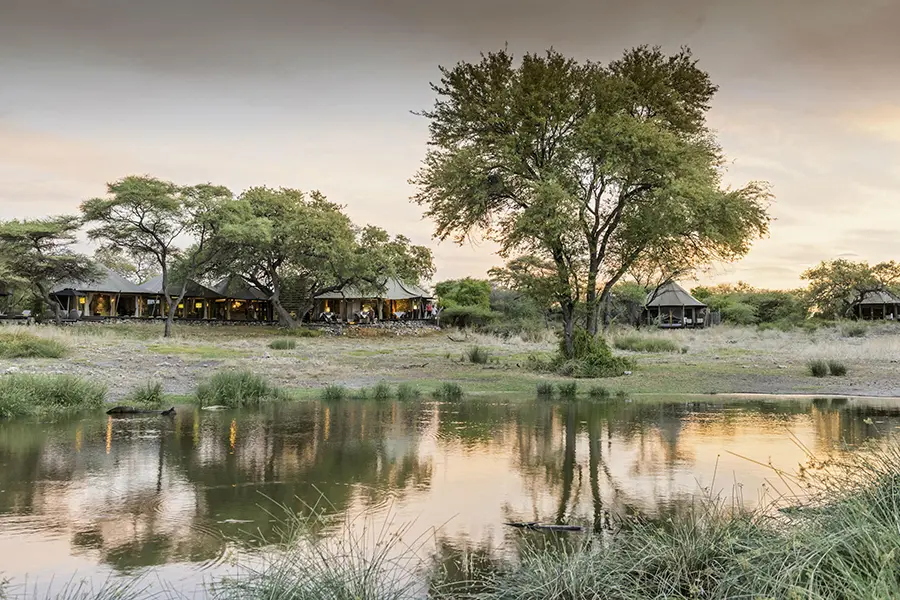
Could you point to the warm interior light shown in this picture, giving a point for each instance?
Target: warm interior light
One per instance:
(181, 306)
(198, 305)
(81, 300)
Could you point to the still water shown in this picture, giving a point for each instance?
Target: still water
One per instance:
(99, 496)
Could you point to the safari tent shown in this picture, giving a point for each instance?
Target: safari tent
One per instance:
(671, 306)
(398, 301)
(876, 305)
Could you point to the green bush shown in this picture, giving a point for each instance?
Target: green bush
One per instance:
(817, 368)
(478, 355)
(21, 344)
(283, 344)
(599, 392)
(568, 390)
(591, 358)
(302, 332)
(854, 330)
(339, 392)
(407, 391)
(637, 343)
(545, 390)
(467, 316)
(236, 389)
(148, 394)
(837, 368)
(738, 313)
(449, 391)
(382, 391)
(29, 394)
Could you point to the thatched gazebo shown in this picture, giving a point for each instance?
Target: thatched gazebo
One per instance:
(877, 304)
(671, 306)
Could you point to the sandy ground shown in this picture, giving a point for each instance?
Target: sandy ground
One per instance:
(718, 360)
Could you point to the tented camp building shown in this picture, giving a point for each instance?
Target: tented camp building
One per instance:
(876, 305)
(111, 295)
(227, 300)
(671, 306)
(398, 301)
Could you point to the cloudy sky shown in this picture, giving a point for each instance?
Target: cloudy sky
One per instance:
(317, 94)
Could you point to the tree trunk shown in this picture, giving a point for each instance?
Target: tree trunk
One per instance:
(167, 302)
(51, 304)
(592, 304)
(284, 316)
(170, 315)
(568, 311)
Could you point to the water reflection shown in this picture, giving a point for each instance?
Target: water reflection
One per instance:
(134, 492)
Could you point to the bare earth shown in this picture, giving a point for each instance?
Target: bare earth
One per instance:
(718, 360)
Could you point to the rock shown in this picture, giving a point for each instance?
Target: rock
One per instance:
(13, 370)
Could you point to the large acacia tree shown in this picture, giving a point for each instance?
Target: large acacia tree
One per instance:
(37, 253)
(586, 166)
(277, 239)
(836, 286)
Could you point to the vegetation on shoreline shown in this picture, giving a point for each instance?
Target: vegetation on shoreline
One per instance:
(237, 389)
(21, 344)
(23, 395)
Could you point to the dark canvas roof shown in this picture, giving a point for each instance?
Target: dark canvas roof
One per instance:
(394, 290)
(237, 288)
(109, 282)
(672, 294)
(194, 289)
(879, 297)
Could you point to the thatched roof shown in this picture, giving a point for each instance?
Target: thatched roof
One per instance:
(394, 290)
(194, 289)
(109, 282)
(672, 294)
(236, 288)
(878, 297)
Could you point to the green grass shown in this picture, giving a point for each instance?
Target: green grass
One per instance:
(637, 343)
(199, 351)
(545, 390)
(338, 392)
(283, 344)
(23, 395)
(149, 394)
(407, 391)
(21, 344)
(478, 355)
(598, 392)
(817, 368)
(382, 391)
(568, 390)
(368, 353)
(236, 389)
(449, 391)
(837, 368)
(301, 332)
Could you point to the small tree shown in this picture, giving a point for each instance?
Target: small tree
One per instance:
(836, 286)
(38, 253)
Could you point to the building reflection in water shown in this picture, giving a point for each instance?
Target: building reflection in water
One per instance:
(147, 491)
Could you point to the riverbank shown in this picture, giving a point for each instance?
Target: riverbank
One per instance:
(718, 360)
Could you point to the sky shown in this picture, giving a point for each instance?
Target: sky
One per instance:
(319, 94)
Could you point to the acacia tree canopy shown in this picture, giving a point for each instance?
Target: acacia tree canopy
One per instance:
(588, 167)
(38, 252)
(835, 286)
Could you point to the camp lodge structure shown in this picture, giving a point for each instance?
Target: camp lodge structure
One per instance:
(877, 305)
(111, 296)
(671, 306)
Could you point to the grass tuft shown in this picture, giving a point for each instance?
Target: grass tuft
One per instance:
(283, 344)
(382, 391)
(478, 355)
(817, 368)
(149, 394)
(545, 390)
(854, 330)
(638, 343)
(339, 392)
(407, 392)
(301, 332)
(837, 368)
(568, 390)
(236, 389)
(449, 391)
(598, 392)
(21, 344)
(23, 395)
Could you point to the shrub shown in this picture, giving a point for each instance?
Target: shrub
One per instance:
(837, 368)
(236, 389)
(302, 332)
(449, 391)
(591, 358)
(568, 390)
(28, 394)
(21, 344)
(853, 330)
(283, 344)
(599, 392)
(545, 390)
(478, 355)
(637, 343)
(149, 394)
(466, 316)
(382, 391)
(817, 368)
(407, 391)
(339, 392)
